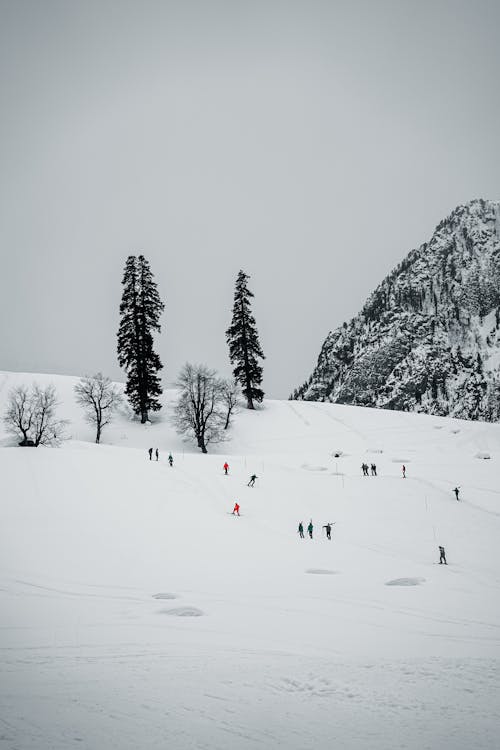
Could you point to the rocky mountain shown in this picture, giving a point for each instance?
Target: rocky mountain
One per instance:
(428, 338)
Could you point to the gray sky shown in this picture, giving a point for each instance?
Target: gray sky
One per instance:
(312, 144)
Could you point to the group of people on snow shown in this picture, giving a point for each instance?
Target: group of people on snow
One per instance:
(310, 529)
(365, 469)
(157, 454)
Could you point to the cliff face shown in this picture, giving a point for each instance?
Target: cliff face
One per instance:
(428, 338)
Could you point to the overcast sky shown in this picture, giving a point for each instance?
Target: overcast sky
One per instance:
(312, 144)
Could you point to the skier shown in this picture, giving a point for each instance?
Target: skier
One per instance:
(236, 509)
(150, 451)
(170, 459)
(301, 530)
(374, 470)
(456, 492)
(403, 469)
(442, 556)
(310, 529)
(156, 454)
(363, 467)
(328, 528)
(252, 480)
(226, 467)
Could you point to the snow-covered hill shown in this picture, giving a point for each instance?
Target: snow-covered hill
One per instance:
(428, 338)
(138, 612)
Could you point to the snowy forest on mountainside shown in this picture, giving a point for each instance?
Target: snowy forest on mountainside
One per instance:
(428, 338)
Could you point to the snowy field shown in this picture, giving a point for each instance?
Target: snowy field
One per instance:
(137, 612)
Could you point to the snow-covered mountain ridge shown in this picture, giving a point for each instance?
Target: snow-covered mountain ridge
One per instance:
(428, 337)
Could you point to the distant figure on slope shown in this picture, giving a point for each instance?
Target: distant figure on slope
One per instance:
(456, 492)
(310, 529)
(157, 454)
(442, 556)
(374, 470)
(236, 509)
(252, 480)
(364, 468)
(403, 469)
(328, 528)
(226, 468)
(170, 459)
(301, 530)
(150, 451)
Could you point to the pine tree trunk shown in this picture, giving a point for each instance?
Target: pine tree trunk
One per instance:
(144, 416)
(250, 403)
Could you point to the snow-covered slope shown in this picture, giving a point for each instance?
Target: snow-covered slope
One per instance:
(137, 612)
(428, 338)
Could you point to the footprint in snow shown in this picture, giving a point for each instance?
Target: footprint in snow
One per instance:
(163, 595)
(308, 467)
(322, 571)
(182, 612)
(406, 582)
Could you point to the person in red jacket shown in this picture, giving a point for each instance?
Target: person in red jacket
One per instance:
(226, 467)
(236, 509)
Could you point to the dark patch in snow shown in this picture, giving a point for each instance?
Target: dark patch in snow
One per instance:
(483, 454)
(374, 450)
(406, 582)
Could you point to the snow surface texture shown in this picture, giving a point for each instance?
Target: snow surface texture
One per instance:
(137, 612)
(428, 338)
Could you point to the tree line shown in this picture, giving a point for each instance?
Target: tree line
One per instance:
(206, 402)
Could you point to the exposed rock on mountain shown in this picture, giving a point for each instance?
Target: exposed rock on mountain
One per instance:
(428, 337)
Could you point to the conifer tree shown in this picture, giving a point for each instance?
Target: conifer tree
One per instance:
(140, 311)
(244, 346)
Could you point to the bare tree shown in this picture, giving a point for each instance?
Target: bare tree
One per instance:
(231, 395)
(100, 398)
(32, 416)
(19, 415)
(200, 412)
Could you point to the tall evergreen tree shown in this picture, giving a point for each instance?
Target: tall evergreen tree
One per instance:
(244, 346)
(140, 311)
